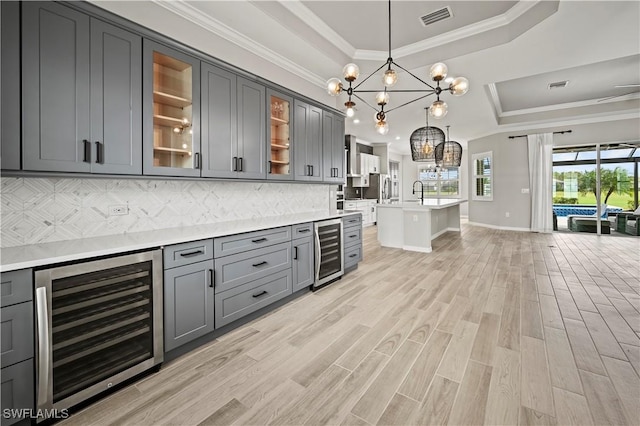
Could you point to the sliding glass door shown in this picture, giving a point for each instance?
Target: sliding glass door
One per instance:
(593, 186)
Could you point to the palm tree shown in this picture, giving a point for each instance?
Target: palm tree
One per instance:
(611, 181)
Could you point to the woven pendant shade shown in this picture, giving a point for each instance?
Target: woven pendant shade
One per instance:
(423, 143)
(449, 153)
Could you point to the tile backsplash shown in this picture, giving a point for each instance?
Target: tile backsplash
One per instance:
(38, 210)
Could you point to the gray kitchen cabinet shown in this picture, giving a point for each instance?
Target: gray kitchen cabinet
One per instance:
(333, 154)
(171, 112)
(240, 301)
(81, 93)
(303, 261)
(219, 124)
(16, 345)
(234, 270)
(233, 125)
(307, 131)
(252, 118)
(10, 89)
(188, 303)
(352, 237)
(17, 391)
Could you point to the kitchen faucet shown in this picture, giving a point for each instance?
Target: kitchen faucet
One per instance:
(413, 189)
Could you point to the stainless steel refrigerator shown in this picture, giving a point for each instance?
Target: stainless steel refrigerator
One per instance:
(379, 188)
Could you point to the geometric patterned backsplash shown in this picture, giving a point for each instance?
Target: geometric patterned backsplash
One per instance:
(38, 210)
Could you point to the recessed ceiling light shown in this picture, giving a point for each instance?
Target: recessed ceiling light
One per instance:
(397, 138)
(356, 121)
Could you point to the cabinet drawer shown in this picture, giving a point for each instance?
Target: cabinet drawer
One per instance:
(17, 389)
(352, 220)
(350, 205)
(302, 230)
(242, 300)
(16, 333)
(233, 244)
(352, 236)
(16, 287)
(231, 271)
(187, 253)
(352, 256)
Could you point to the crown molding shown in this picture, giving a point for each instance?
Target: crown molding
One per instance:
(568, 105)
(192, 14)
(318, 25)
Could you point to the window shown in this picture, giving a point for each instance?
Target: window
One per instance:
(442, 183)
(482, 176)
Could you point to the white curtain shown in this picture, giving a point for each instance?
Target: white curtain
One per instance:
(541, 181)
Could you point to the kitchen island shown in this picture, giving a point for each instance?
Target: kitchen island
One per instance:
(412, 225)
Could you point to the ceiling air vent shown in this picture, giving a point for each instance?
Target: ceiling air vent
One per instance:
(558, 84)
(435, 16)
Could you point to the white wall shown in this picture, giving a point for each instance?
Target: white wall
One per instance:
(39, 210)
(511, 167)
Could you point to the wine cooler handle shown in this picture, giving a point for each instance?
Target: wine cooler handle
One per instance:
(317, 255)
(44, 362)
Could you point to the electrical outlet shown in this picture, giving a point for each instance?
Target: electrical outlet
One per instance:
(507, 214)
(525, 190)
(119, 210)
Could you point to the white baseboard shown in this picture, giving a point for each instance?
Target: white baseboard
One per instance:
(436, 235)
(415, 248)
(501, 228)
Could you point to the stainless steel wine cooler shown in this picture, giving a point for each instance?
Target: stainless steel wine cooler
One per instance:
(98, 323)
(329, 261)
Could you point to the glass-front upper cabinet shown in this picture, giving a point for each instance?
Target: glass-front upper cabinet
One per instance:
(279, 137)
(171, 111)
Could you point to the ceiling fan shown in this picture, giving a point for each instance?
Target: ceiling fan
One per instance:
(622, 94)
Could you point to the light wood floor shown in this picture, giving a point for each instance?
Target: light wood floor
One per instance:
(493, 327)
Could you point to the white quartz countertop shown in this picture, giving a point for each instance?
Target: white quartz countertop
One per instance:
(30, 256)
(427, 204)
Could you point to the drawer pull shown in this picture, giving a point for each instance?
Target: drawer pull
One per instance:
(260, 294)
(353, 255)
(259, 240)
(352, 236)
(353, 221)
(264, 262)
(304, 230)
(192, 253)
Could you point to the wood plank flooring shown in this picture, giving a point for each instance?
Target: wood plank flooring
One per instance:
(493, 327)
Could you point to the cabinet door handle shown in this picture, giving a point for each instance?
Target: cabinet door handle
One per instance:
(295, 253)
(197, 161)
(260, 294)
(269, 166)
(307, 174)
(241, 166)
(192, 253)
(87, 151)
(311, 170)
(264, 262)
(99, 153)
(211, 277)
(259, 240)
(235, 164)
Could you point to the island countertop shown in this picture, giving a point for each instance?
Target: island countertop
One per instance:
(426, 204)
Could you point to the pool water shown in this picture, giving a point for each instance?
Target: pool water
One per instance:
(563, 210)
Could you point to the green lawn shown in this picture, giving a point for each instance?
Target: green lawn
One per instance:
(615, 200)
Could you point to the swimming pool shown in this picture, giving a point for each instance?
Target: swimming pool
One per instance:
(563, 210)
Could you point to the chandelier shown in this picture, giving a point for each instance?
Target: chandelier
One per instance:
(424, 141)
(438, 73)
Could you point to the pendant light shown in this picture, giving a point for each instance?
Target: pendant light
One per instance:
(424, 140)
(449, 153)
